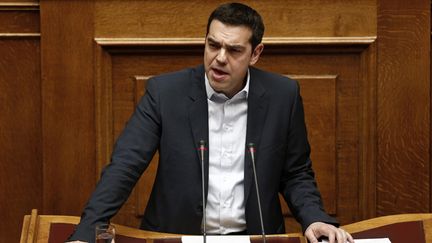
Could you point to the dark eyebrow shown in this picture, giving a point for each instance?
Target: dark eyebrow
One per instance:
(238, 47)
(212, 40)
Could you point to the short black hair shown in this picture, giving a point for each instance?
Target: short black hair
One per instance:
(238, 14)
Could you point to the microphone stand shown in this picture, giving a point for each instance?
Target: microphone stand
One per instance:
(202, 149)
(251, 148)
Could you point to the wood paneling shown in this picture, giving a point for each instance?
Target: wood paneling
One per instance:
(403, 107)
(68, 105)
(20, 134)
(368, 138)
(153, 18)
(19, 18)
(20, 112)
(16, 21)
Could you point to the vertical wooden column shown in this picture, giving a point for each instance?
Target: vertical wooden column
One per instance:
(67, 105)
(20, 118)
(403, 167)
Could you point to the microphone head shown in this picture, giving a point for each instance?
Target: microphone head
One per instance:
(251, 147)
(202, 145)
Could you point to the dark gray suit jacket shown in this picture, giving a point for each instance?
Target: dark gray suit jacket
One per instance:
(172, 118)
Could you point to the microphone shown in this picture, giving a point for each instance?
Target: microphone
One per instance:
(251, 148)
(202, 149)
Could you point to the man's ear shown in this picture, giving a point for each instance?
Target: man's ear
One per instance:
(256, 54)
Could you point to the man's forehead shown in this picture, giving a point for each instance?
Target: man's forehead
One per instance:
(229, 34)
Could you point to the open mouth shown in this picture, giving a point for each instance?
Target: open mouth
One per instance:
(218, 74)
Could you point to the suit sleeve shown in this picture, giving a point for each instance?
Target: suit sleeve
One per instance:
(133, 152)
(298, 185)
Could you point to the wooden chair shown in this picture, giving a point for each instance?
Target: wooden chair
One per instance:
(36, 228)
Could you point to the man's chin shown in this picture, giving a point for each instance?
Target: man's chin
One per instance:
(218, 87)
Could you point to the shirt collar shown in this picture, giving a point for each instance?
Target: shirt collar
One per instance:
(242, 93)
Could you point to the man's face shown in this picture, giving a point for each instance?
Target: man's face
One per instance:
(227, 55)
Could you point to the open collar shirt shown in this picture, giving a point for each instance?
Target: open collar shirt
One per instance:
(225, 209)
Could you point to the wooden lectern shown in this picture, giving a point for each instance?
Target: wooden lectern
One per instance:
(404, 228)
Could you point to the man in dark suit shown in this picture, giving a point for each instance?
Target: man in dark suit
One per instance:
(229, 104)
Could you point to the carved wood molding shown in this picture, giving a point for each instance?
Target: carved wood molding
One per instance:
(367, 40)
(29, 6)
(368, 132)
(20, 35)
(19, 8)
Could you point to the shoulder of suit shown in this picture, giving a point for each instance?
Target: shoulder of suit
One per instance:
(184, 74)
(177, 83)
(271, 79)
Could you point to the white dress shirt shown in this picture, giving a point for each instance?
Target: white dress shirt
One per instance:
(225, 209)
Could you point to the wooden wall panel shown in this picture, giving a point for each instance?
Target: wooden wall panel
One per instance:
(403, 107)
(153, 18)
(20, 134)
(68, 105)
(368, 138)
(19, 21)
(20, 117)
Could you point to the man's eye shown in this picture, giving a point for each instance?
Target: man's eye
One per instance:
(234, 50)
(213, 45)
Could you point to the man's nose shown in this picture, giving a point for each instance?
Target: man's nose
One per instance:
(222, 56)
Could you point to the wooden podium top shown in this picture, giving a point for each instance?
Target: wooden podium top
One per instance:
(413, 228)
(60, 231)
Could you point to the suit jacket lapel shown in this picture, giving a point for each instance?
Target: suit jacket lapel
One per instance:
(198, 116)
(257, 109)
